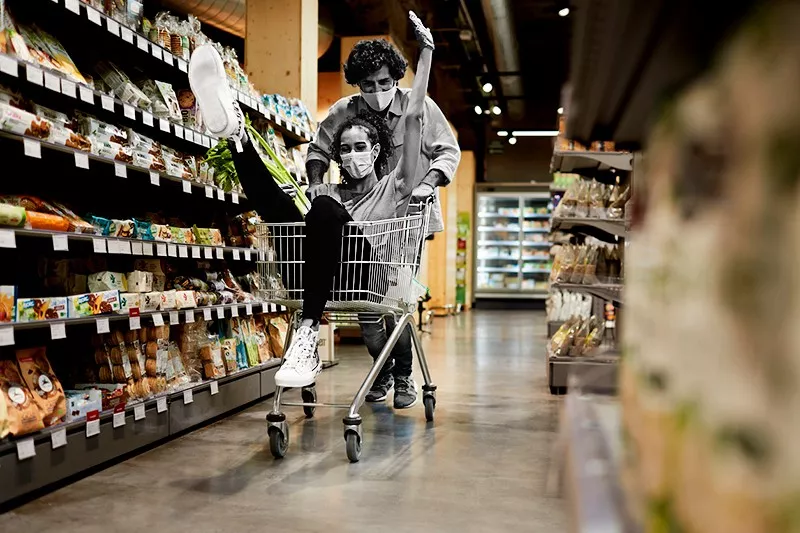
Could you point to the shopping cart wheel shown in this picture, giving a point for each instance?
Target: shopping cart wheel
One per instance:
(352, 441)
(430, 406)
(278, 442)
(309, 395)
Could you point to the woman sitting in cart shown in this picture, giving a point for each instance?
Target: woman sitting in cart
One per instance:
(361, 148)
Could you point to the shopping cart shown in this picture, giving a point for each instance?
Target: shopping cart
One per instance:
(376, 278)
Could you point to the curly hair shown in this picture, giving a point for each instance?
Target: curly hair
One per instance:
(369, 56)
(377, 133)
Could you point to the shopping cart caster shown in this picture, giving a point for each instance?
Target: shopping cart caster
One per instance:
(352, 438)
(309, 395)
(278, 431)
(429, 401)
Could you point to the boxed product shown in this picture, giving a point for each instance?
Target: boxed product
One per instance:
(107, 281)
(8, 301)
(185, 300)
(12, 216)
(23, 123)
(94, 303)
(81, 402)
(140, 281)
(24, 415)
(130, 300)
(150, 301)
(33, 309)
(43, 383)
(168, 300)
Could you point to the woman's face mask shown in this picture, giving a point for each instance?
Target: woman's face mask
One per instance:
(359, 165)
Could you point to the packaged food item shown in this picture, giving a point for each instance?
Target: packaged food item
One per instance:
(140, 281)
(8, 301)
(211, 355)
(21, 122)
(228, 350)
(24, 414)
(161, 232)
(81, 402)
(11, 215)
(5, 424)
(128, 301)
(76, 223)
(122, 86)
(34, 309)
(277, 330)
(60, 59)
(168, 300)
(143, 230)
(113, 151)
(94, 303)
(43, 383)
(102, 226)
(185, 300)
(151, 301)
(125, 229)
(107, 281)
(37, 220)
(188, 107)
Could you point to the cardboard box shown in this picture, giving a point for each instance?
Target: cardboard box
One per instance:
(128, 301)
(140, 281)
(34, 309)
(325, 345)
(8, 303)
(94, 303)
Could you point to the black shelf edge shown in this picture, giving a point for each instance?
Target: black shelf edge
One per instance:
(590, 226)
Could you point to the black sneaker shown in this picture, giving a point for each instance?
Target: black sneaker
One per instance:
(380, 389)
(405, 393)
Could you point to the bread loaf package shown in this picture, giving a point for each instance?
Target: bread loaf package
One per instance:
(43, 383)
(24, 415)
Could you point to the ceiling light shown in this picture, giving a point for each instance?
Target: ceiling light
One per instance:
(487, 87)
(502, 133)
(496, 110)
(563, 12)
(560, 110)
(512, 140)
(486, 111)
(478, 110)
(535, 133)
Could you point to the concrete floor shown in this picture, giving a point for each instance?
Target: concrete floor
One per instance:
(481, 467)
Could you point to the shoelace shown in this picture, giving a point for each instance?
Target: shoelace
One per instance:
(303, 349)
(403, 384)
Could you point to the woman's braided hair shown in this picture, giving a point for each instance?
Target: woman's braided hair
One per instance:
(377, 133)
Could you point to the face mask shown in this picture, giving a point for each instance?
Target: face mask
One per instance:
(379, 101)
(358, 164)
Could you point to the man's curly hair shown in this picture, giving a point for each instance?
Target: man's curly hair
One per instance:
(369, 56)
(377, 133)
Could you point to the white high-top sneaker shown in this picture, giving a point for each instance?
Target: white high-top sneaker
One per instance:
(209, 83)
(301, 364)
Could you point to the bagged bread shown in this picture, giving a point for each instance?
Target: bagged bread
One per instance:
(5, 424)
(43, 383)
(277, 334)
(24, 415)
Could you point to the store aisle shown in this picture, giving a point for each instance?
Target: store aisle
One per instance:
(481, 467)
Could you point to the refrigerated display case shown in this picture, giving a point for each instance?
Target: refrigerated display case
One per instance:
(512, 248)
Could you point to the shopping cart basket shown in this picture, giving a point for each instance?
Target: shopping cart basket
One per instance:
(376, 278)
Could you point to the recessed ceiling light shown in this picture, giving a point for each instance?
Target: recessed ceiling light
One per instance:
(478, 110)
(512, 140)
(563, 12)
(502, 133)
(560, 110)
(487, 87)
(535, 133)
(486, 111)
(496, 110)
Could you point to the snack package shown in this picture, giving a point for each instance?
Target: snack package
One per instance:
(123, 87)
(43, 383)
(94, 303)
(151, 301)
(188, 107)
(33, 309)
(168, 300)
(277, 330)
(185, 300)
(12, 216)
(24, 415)
(8, 303)
(107, 281)
(228, 350)
(5, 424)
(81, 402)
(176, 374)
(140, 281)
(211, 356)
(128, 301)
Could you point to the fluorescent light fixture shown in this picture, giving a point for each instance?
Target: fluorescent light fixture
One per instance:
(496, 110)
(478, 110)
(512, 140)
(560, 110)
(487, 87)
(502, 133)
(535, 133)
(563, 12)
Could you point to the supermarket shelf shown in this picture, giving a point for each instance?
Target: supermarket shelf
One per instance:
(582, 225)
(514, 294)
(292, 131)
(497, 215)
(571, 161)
(536, 230)
(504, 229)
(605, 291)
(515, 243)
(536, 271)
(552, 327)
(31, 145)
(498, 258)
(81, 453)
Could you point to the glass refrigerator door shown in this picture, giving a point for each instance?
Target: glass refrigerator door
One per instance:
(498, 261)
(535, 245)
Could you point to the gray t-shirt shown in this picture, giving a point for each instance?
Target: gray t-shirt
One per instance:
(384, 201)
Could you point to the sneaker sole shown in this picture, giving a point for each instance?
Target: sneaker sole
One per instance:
(377, 400)
(415, 402)
(295, 382)
(209, 84)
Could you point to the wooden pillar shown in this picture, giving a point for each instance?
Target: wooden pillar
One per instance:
(465, 206)
(281, 48)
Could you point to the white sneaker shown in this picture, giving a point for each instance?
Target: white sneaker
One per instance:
(209, 84)
(301, 364)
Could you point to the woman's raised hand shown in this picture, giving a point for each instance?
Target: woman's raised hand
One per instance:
(424, 35)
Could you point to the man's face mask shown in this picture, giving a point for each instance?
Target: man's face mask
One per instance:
(379, 101)
(359, 165)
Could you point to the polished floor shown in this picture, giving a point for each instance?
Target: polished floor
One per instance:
(482, 466)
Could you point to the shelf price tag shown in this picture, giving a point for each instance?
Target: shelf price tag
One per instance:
(236, 256)
(174, 318)
(58, 330)
(81, 160)
(195, 252)
(208, 253)
(235, 310)
(214, 388)
(141, 43)
(120, 170)
(73, 6)
(161, 404)
(187, 186)
(209, 192)
(135, 322)
(188, 397)
(94, 16)
(119, 416)
(248, 308)
(235, 197)
(178, 131)
(155, 179)
(7, 336)
(58, 438)
(183, 252)
(155, 50)
(169, 59)
(247, 256)
(147, 118)
(25, 449)
(188, 135)
(112, 26)
(60, 243)
(158, 319)
(102, 326)
(220, 253)
(172, 250)
(127, 35)
(147, 248)
(32, 148)
(9, 65)
(190, 317)
(220, 312)
(124, 247)
(138, 412)
(68, 88)
(182, 65)
(207, 314)
(163, 125)
(99, 244)
(129, 111)
(107, 102)
(86, 94)
(136, 248)
(220, 195)
(52, 82)
(8, 239)
(161, 250)
(92, 423)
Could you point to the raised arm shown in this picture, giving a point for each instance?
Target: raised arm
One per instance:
(412, 139)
